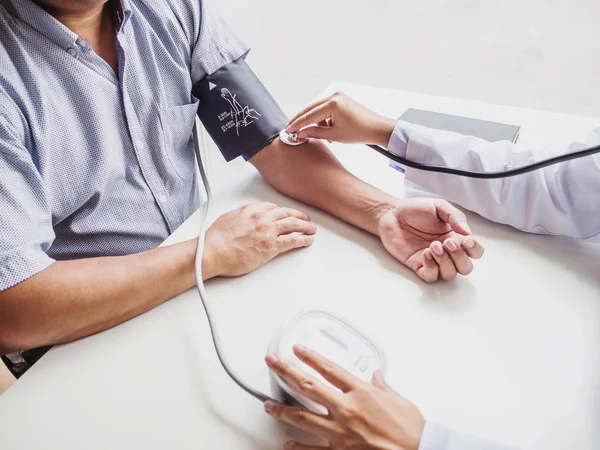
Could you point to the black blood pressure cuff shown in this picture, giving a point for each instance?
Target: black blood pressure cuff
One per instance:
(237, 110)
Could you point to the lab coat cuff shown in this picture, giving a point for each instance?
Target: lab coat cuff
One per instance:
(398, 143)
(435, 437)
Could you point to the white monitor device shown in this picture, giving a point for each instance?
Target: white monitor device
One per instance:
(333, 338)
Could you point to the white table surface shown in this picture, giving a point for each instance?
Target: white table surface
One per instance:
(510, 353)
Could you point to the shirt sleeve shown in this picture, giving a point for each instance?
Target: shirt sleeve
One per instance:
(26, 230)
(562, 199)
(213, 43)
(436, 437)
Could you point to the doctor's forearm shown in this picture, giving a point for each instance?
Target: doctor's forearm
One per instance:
(73, 299)
(311, 173)
(559, 199)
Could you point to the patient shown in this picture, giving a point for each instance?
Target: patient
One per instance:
(96, 114)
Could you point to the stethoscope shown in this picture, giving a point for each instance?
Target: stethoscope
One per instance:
(200, 281)
(293, 140)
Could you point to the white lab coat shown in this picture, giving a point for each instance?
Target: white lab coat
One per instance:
(561, 200)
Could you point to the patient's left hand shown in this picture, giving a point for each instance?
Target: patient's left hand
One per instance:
(431, 237)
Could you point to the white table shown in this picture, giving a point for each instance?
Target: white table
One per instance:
(510, 353)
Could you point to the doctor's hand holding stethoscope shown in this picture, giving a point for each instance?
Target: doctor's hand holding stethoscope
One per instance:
(562, 199)
(339, 118)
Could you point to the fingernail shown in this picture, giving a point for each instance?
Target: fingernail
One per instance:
(378, 376)
(314, 226)
(299, 348)
(429, 256)
(438, 249)
(451, 246)
(470, 243)
(302, 135)
(269, 406)
(465, 227)
(271, 360)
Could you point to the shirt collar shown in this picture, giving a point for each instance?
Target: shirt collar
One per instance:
(28, 12)
(122, 11)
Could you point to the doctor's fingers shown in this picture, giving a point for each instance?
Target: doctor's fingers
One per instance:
(294, 225)
(328, 133)
(319, 114)
(293, 445)
(303, 419)
(303, 382)
(333, 373)
(461, 259)
(291, 127)
(444, 261)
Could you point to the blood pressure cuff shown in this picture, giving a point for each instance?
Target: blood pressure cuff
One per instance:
(237, 110)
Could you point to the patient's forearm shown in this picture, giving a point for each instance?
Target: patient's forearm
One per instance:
(312, 174)
(73, 299)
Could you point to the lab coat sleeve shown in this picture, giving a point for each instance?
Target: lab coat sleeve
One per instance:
(563, 199)
(436, 437)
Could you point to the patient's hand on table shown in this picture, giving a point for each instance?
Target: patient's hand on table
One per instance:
(246, 238)
(431, 237)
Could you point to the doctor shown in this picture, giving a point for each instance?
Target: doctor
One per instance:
(362, 416)
(560, 200)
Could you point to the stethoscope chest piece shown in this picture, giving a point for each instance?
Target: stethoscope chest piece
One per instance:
(291, 138)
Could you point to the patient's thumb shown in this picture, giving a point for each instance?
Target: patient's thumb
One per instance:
(453, 217)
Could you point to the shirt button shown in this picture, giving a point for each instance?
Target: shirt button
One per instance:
(71, 51)
(163, 198)
(140, 144)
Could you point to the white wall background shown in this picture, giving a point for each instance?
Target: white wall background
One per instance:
(543, 54)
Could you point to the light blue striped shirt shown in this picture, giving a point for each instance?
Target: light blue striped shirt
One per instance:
(92, 163)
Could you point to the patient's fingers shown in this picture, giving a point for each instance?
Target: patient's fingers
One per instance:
(445, 263)
(429, 272)
(459, 256)
(453, 217)
(473, 248)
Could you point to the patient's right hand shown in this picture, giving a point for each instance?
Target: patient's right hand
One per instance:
(246, 238)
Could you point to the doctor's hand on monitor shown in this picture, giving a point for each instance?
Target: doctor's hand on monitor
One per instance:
(361, 415)
(339, 118)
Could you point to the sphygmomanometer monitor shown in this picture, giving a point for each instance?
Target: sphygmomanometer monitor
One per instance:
(332, 337)
(242, 118)
(483, 129)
